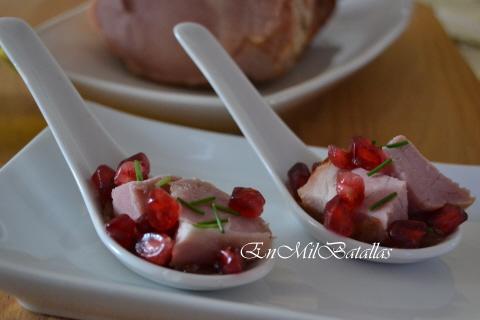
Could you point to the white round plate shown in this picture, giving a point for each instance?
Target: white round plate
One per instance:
(357, 33)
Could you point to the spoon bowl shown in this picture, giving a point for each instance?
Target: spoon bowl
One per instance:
(276, 145)
(85, 144)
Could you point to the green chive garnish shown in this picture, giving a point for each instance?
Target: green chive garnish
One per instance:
(138, 170)
(226, 209)
(164, 181)
(397, 145)
(217, 218)
(380, 167)
(374, 142)
(202, 201)
(383, 201)
(189, 206)
(210, 224)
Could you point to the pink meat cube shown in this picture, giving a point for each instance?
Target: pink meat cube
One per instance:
(321, 187)
(428, 188)
(195, 246)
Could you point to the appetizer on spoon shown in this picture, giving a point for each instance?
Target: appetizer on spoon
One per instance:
(325, 191)
(147, 212)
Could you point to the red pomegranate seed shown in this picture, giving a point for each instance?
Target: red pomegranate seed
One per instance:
(143, 225)
(126, 169)
(156, 248)
(419, 216)
(102, 180)
(162, 210)
(144, 162)
(247, 201)
(230, 261)
(407, 233)
(340, 158)
(446, 220)
(338, 217)
(369, 230)
(365, 154)
(298, 175)
(125, 173)
(123, 230)
(431, 238)
(350, 188)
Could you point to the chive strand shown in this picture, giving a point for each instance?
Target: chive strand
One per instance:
(397, 144)
(210, 224)
(163, 182)
(138, 170)
(380, 203)
(227, 210)
(380, 167)
(189, 206)
(202, 201)
(217, 218)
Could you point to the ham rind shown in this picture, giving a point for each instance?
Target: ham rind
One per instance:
(200, 247)
(428, 188)
(321, 187)
(129, 198)
(378, 187)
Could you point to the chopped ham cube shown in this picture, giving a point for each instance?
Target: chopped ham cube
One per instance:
(428, 189)
(378, 187)
(195, 246)
(321, 187)
(129, 198)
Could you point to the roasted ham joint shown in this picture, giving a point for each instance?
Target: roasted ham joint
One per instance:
(389, 194)
(184, 224)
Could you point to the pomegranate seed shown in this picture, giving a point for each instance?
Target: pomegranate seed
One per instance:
(298, 175)
(446, 220)
(125, 173)
(350, 188)
(365, 154)
(369, 230)
(340, 158)
(230, 261)
(102, 180)
(431, 238)
(156, 248)
(126, 169)
(144, 162)
(338, 217)
(123, 230)
(143, 225)
(407, 233)
(162, 210)
(247, 201)
(419, 216)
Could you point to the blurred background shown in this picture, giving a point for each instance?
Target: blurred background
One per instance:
(461, 19)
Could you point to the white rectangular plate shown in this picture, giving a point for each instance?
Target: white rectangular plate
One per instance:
(357, 33)
(53, 262)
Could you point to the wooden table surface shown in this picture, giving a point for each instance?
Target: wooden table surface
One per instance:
(419, 86)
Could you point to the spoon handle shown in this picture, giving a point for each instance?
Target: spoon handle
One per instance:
(75, 128)
(277, 146)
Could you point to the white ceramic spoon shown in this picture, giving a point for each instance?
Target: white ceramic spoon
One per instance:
(276, 145)
(85, 144)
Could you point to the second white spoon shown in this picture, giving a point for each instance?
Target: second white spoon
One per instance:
(276, 145)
